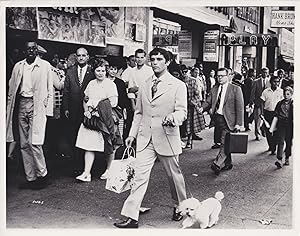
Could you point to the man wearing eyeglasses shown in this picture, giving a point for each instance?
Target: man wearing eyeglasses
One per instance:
(227, 104)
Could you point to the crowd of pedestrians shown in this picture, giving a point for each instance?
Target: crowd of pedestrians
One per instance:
(159, 109)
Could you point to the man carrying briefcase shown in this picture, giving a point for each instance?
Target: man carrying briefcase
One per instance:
(226, 101)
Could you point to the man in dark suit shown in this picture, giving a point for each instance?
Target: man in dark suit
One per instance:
(258, 87)
(77, 78)
(227, 104)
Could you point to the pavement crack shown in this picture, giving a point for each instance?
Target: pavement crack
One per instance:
(277, 201)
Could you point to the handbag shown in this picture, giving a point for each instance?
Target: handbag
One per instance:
(93, 122)
(121, 172)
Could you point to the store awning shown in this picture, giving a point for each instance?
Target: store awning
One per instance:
(288, 59)
(199, 14)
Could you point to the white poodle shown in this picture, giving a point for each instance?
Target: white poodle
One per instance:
(206, 213)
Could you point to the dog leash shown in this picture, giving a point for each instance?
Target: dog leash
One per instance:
(177, 161)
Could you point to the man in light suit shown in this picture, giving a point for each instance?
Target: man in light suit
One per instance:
(160, 110)
(258, 86)
(77, 78)
(226, 102)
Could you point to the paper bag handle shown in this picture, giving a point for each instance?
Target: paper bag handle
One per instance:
(128, 150)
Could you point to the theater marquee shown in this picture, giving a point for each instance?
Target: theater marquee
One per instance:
(249, 40)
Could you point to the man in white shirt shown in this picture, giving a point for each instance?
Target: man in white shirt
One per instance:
(270, 97)
(31, 87)
(130, 61)
(138, 75)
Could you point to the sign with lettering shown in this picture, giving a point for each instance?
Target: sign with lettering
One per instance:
(249, 40)
(283, 19)
(185, 44)
(165, 40)
(210, 46)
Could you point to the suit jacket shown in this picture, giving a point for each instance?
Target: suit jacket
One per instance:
(123, 100)
(170, 98)
(233, 108)
(256, 92)
(73, 95)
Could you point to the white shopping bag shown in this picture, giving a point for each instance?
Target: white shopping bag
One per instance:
(121, 172)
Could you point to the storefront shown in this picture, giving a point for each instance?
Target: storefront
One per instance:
(104, 31)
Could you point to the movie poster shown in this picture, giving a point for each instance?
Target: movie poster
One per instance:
(22, 18)
(71, 28)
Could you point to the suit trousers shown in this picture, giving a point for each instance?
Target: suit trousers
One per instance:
(257, 121)
(144, 162)
(271, 138)
(284, 134)
(33, 156)
(220, 123)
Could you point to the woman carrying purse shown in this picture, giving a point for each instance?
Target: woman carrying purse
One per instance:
(91, 140)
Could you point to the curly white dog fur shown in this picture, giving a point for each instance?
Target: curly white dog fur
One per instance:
(206, 213)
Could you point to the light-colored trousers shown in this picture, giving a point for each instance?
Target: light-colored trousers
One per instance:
(33, 156)
(143, 165)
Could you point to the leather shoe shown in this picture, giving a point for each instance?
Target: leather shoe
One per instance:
(27, 185)
(227, 167)
(215, 146)
(195, 137)
(127, 224)
(215, 168)
(176, 215)
(278, 164)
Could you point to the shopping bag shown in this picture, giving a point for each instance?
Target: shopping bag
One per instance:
(121, 172)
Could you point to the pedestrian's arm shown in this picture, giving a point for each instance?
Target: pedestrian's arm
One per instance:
(138, 114)
(50, 92)
(252, 94)
(180, 111)
(66, 95)
(239, 106)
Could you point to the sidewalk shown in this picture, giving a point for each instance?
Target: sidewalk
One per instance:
(254, 190)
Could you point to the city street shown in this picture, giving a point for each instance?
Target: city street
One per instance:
(254, 190)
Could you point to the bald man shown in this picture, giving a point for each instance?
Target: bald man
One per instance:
(77, 78)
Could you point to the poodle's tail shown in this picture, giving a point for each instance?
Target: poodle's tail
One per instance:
(219, 195)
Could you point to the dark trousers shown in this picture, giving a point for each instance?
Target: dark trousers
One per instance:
(271, 139)
(77, 153)
(284, 134)
(220, 123)
(217, 135)
(128, 123)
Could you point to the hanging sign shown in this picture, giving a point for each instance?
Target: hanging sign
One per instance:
(210, 46)
(249, 40)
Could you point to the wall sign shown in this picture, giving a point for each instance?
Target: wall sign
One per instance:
(210, 46)
(185, 44)
(165, 40)
(249, 40)
(284, 19)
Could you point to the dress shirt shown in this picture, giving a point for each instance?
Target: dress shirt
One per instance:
(271, 98)
(84, 69)
(220, 110)
(26, 89)
(138, 76)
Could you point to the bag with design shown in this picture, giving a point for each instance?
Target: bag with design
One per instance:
(121, 172)
(93, 122)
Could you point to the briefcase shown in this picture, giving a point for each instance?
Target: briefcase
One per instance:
(236, 143)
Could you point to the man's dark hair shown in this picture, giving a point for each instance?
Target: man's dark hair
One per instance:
(223, 69)
(161, 51)
(140, 51)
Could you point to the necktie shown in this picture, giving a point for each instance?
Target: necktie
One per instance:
(219, 98)
(80, 77)
(154, 86)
